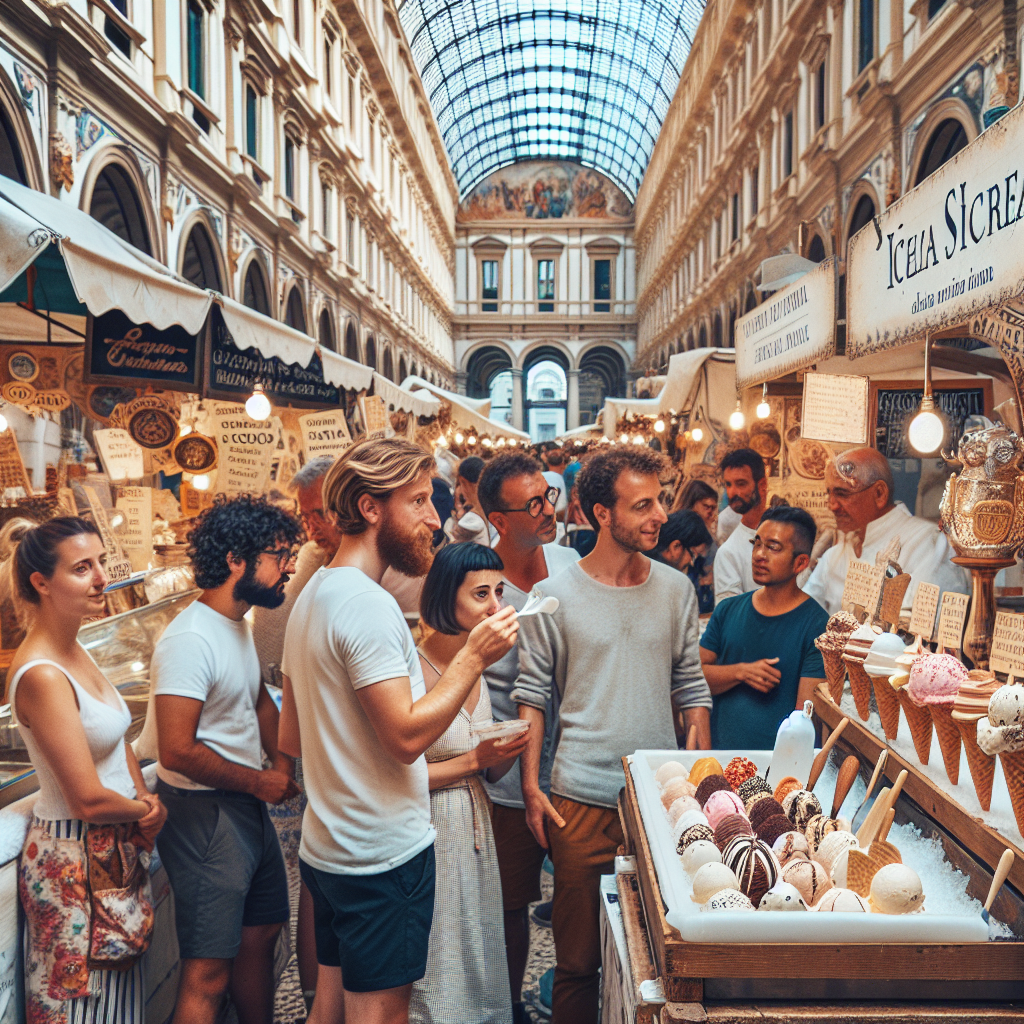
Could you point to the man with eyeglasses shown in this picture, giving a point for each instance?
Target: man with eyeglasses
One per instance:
(520, 504)
(215, 720)
(860, 494)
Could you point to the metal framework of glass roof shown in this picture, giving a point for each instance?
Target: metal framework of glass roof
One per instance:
(582, 80)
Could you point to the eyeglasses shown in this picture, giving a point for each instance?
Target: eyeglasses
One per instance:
(314, 514)
(536, 505)
(283, 555)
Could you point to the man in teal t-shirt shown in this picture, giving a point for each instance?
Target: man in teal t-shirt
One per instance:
(758, 650)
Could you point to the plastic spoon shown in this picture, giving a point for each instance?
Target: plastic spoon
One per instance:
(1002, 870)
(545, 606)
(890, 817)
(819, 762)
(883, 756)
(876, 816)
(848, 772)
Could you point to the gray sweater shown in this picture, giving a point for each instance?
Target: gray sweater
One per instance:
(622, 659)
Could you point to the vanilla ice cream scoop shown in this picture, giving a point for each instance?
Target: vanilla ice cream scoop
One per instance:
(896, 889)
(882, 655)
(1002, 732)
(710, 879)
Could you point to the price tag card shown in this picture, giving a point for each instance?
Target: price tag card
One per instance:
(922, 614)
(121, 456)
(1008, 643)
(136, 505)
(863, 587)
(952, 615)
(245, 448)
(375, 415)
(324, 433)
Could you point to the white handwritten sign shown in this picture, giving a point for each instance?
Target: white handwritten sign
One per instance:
(246, 447)
(952, 615)
(375, 416)
(863, 587)
(835, 408)
(947, 249)
(922, 612)
(324, 433)
(118, 566)
(1008, 643)
(121, 456)
(791, 329)
(136, 505)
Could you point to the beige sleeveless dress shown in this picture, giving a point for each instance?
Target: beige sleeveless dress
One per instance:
(467, 973)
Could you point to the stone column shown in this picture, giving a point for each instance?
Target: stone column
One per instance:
(572, 415)
(517, 399)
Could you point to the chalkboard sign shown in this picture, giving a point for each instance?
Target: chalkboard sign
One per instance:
(894, 407)
(118, 351)
(231, 373)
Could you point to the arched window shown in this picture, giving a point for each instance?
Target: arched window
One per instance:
(947, 140)
(403, 371)
(389, 366)
(816, 250)
(862, 214)
(12, 164)
(702, 338)
(199, 264)
(294, 314)
(351, 343)
(115, 204)
(716, 331)
(254, 290)
(371, 352)
(325, 332)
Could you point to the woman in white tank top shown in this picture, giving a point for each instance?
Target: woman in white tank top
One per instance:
(73, 723)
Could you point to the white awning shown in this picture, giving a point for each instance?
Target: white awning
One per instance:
(250, 329)
(684, 375)
(106, 272)
(419, 404)
(466, 412)
(615, 408)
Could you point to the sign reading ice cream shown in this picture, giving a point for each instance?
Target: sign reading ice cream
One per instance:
(944, 251)
(791, 329)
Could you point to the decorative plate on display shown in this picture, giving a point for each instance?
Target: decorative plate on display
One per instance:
(23, 366)
(766, 440)
(153, 428)
(195, 453)
(809, 458)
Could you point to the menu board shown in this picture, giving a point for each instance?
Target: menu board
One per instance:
(118, 351)
(922, 614)
(136, 505)
(835, 408)
(118, 567)
(1008, 643)
(121, 456)
(863, 587)
(231, 372)
(324, 433)
(952, 615)
(245, 448)
(896, 407)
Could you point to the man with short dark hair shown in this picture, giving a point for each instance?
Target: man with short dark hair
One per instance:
(620, 651)
(519, 504)
(468, 523)
(746, 488)
(215, 719)
(758, 649)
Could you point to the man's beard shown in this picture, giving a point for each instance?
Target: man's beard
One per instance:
(409, 553)
(259, 594)
(629, 540)
(745, 505)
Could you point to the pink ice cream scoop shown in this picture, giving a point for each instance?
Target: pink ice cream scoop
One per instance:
(935, 679)
(720, 804)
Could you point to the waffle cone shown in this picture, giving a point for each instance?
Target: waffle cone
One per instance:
(1013, 772)
(983, 767)
(888, 705)
(920, 722)
(949, 739)
(835, 673)
(860, 687)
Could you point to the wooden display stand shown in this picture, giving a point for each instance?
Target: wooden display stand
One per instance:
(804, 982)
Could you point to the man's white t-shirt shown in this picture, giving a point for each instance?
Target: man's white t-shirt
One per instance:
(367, 812)
(209, 657)
(734, 573)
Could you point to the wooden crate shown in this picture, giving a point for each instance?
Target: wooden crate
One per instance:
(694, 972)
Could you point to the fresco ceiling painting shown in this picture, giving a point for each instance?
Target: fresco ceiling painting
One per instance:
(583, 80)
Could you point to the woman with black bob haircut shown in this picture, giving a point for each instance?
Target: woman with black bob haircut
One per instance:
(467, 978)
(91, 790)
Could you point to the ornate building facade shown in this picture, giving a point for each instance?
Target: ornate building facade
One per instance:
(794, 123)
(283, 154)
(544, 284)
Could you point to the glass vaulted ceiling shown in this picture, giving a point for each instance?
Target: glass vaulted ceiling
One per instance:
(582, 80)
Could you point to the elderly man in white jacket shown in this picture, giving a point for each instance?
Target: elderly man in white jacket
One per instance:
(860, 488)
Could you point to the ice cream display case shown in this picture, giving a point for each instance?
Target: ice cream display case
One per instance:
(905, 924)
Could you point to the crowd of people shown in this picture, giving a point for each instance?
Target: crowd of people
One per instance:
(424, 833)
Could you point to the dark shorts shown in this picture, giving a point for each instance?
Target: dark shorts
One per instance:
(520, 857)
(225, 866)
(376, 928)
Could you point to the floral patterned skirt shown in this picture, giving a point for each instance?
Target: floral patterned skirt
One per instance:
(59, 987)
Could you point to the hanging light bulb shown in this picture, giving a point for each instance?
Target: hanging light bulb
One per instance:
(638, 439)
(442, 441)
(512, 442)
(697, 434)
(659, 426)
(459, 439)
(764, 410)
(3, 422)
(926, 429)
(471, 439)
(500, 443)
(201, 482)
(257, 405)
(737, 421)
(486, 442)
(624, 439)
